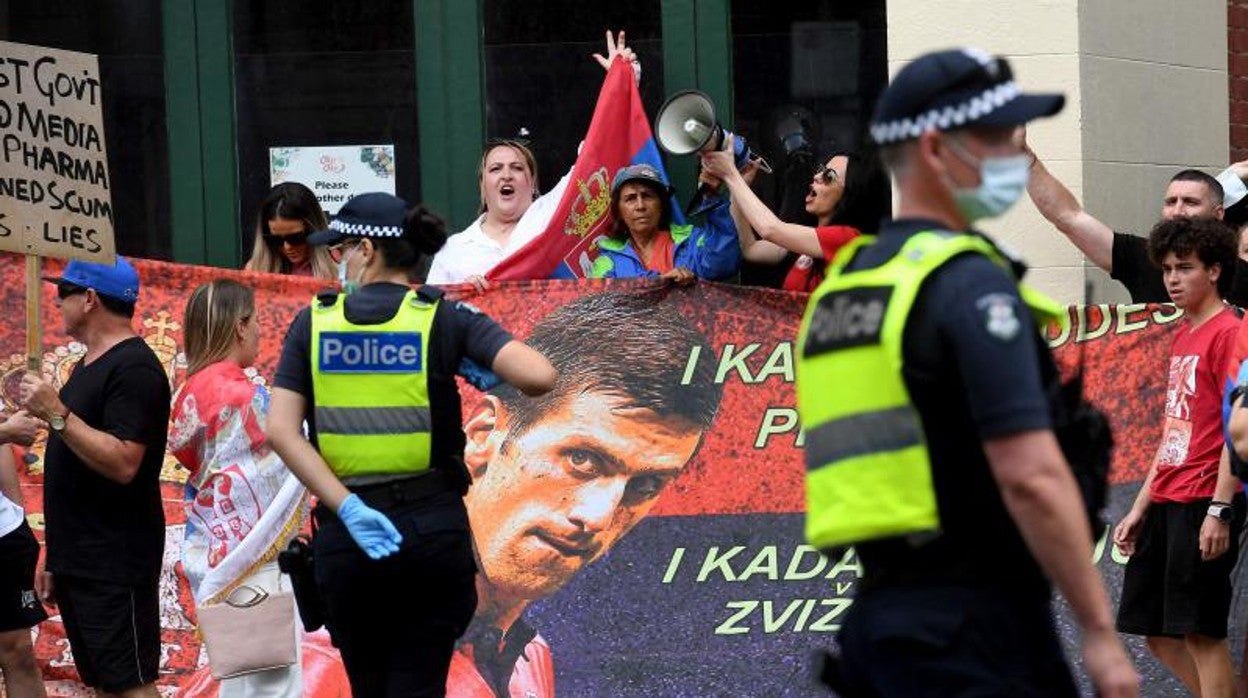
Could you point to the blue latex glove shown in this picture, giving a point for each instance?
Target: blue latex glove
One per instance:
(478, 376)
(370, 528)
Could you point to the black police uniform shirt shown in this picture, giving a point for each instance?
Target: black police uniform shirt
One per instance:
(972, 363)
(1132, 267)
(458, 330)
(98, 528)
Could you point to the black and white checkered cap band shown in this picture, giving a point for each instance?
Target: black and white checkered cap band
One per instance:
(946, 118)
(364, 230)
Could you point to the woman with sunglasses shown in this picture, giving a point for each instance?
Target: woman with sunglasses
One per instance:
(242, 505)
(512, 211)
(848, 195)
(287, 215)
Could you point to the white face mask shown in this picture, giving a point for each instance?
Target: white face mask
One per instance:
(1002, 182)
(347, 285)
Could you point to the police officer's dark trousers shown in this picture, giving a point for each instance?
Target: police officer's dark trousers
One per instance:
(396, 620)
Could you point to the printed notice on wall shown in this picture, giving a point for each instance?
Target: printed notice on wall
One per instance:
(335, 173)
(55, 193)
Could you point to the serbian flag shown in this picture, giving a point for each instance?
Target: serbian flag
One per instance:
(619, 135)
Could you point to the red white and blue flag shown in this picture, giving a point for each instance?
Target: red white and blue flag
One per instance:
(619, 135)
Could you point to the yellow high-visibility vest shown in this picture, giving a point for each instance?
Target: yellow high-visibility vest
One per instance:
(371, 389)
(868, 470)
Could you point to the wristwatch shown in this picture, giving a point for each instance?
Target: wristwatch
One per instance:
(57, 421)
(1221, 511)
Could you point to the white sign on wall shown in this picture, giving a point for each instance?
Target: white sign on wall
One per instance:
(334, 173)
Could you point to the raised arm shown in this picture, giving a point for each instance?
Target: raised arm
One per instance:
(1057, 204)
(784, 236)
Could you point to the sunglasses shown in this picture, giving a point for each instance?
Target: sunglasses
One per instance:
(294, 239)
(827, 175)
(65, 290)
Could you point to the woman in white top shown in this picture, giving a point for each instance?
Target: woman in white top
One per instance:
(512, 212)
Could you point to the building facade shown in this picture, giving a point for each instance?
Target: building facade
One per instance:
(197, 93)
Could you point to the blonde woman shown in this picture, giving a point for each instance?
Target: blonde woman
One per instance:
(242, 505)
(287, 216)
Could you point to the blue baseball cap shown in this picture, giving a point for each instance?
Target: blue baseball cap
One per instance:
(118, 280)
(372, 215)
(954, 89)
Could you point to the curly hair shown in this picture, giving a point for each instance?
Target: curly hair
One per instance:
(1211, 240)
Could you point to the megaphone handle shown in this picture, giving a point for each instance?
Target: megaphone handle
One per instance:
(699, 198)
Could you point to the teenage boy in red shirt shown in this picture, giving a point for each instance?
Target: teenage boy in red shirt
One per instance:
(1182, 533)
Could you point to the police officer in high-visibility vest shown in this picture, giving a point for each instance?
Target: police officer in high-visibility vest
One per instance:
(372, 371)
(929, 441)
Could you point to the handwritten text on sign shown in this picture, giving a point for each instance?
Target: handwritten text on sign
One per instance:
(55, 196)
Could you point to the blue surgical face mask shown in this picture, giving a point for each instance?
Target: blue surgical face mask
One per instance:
(1002, 182)
(347, 285)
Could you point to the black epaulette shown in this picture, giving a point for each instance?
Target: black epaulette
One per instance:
(429, 294)
(327, 298)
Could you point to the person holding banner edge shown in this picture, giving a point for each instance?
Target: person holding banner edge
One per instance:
(645, 243)
(372, 370)
(938, 443)
(513, 210)
(105, 524)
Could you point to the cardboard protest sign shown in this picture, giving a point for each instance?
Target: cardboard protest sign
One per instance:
(55, 198)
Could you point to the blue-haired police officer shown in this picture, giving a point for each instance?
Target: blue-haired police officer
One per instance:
(372, 371)
(929, 438)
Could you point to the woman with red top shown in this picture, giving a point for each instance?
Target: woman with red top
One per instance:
(849, 195)
(287, 216)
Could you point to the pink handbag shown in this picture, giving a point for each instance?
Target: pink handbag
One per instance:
(251, 630)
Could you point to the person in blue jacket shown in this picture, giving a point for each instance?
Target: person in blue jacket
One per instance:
(644, 243)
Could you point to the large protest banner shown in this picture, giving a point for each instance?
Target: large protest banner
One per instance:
(54, 190)
(706, 590)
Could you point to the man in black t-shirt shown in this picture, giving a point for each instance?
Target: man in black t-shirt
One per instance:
(1190, 193)
(105, 530)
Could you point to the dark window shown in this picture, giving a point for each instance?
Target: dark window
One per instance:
(540, 75)
(323, 74)
(127, 38)
(815, 67)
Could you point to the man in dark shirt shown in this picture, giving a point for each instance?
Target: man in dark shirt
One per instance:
(959, 605)
(1190, 193)
(105, 524)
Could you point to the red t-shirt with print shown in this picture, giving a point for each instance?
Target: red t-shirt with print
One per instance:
(1191, 437)
(807, 273)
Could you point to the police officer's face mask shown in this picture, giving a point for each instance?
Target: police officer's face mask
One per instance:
(1002, 182)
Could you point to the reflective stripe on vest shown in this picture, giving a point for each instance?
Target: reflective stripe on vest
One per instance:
(868, 470)
(370, 388)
